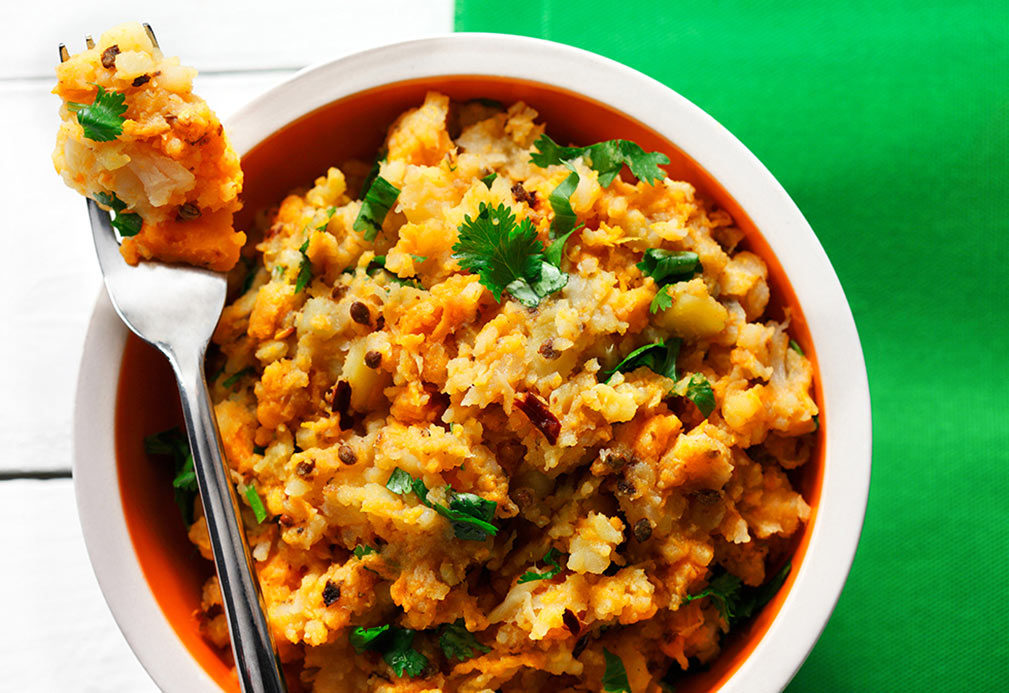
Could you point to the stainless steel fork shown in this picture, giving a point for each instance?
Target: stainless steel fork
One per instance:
(175, 308)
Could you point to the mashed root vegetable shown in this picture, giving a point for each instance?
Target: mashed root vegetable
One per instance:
(171, 163)
(353, 367)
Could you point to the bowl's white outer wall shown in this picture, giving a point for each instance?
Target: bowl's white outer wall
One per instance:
(846, 406)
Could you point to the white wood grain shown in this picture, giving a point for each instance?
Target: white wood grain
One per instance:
(56, 633)
(217, 36)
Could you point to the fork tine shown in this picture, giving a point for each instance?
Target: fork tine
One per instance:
(150, 35)
(90, 41)
(64, 53)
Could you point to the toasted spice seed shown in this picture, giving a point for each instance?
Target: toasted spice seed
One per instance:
(373, 359)
(625, 486)
(109, 56)
(523, 496)
(522, 195)
(189, 211)
(380, 322)
(547, 350)
(643, 529)
(141, 80)
(707, 496)
(359, 313)
(330, 593)
(304, 468)
(347, 454)
(540, 416)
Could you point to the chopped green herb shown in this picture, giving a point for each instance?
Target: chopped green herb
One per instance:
(279, 271)
(329, 215)
(560, 200)
(250, 277)
(255, 502)
(173, 443)
(615, 677)
(379, 199)
(394, 643)
(489, 179)
(376, 166)
(126, 223)
(469, 514)
(458, 643)
(607, 158)
(795, 347)
(669, 266)
(102, 120)
(400, 655)
(736, 602)
(363, 638)
(418, 258)
(660, 357)
(232, 379)
(507, 256)
(362, 550)
(400, 482)
(304, 270)
(724, 591)
(816, 422)
(258, 449)
(661, 301)
(700, 393)
(550, 559)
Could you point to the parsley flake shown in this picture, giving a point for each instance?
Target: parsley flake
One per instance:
(304, 269)
(700, 393)
(550, 558)
(736, 602)
(662, 300)
(615, 677)
(488, 180)
(607, 158)
(126, 223)
(256, 503)
(377, 202)
(660, 357)
(400, 482)
(173, 443)
(102, 120)
(507, 255)
(362, 550)
(362, 638)
(458, 643)
(394, 643)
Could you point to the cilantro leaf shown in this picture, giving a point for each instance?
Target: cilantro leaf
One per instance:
(500, 250)
(102, 120)
(377, 202)
(560, 200)
(126, 223)
(661, 301)
(400, 655)
(255, 502)
(700, 393)
(458, 643)
(754, 598)
(174, 444)
(362, 550)
(724, 591)
(363, 638)
(550, 559)
(376, 166)
(615, 677)
(660, 357)
(304, 269)
(488, 180)
(607, 158)
(794, 345)
(669, 266)
(399, 482)
(232, 379)
(508, 256)
(469, 514)
(329, 215)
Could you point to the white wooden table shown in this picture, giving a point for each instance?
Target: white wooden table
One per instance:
(56, 633)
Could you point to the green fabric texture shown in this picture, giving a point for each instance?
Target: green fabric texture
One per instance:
(888, 124)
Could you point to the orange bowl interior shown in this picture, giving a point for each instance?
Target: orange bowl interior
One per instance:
(354, 127)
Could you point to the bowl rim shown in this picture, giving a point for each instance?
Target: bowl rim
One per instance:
(847, 457)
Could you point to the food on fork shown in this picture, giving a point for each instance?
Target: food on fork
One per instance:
(137, 140)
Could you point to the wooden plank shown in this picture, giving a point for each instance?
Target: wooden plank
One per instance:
(57, 634)
(220, 36)
(51, 275)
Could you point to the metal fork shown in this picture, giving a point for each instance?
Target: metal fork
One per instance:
(175, 308)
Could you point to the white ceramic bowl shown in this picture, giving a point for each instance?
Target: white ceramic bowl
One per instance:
(833, 530)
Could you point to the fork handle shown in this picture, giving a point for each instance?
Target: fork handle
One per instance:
(255, 653)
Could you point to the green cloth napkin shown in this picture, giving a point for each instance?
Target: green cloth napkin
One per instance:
(888, 124)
